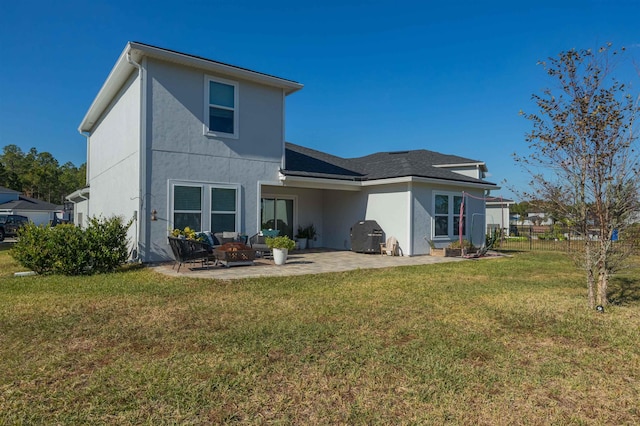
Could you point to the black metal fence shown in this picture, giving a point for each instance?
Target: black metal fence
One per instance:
(551, 238)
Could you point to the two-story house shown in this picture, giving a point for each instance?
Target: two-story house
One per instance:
(177, 140)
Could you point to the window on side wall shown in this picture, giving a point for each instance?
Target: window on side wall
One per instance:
(446, 216)
(221, 108)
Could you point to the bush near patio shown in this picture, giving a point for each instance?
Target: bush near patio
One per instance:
(493, 342)
(70, 250)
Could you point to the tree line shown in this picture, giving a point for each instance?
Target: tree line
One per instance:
(39, 175)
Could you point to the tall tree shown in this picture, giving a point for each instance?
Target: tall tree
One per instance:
(71, 178)
(13, 162)
(584, 160)
(46, 175)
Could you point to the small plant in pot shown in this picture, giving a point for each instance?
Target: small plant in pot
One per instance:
(302, 237)
(280, 246)
(186, 233)
(311, 233)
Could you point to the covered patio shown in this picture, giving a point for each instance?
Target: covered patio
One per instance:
(302, 262)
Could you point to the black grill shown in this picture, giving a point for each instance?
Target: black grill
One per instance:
(366, 237)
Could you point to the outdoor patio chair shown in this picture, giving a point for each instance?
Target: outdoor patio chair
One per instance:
(190, 251)
(258, 241)
(389, 248)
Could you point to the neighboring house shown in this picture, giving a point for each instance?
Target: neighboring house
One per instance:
(177, 140)
(534, 219)
(498, 213)
(80, 200)
(38, 212)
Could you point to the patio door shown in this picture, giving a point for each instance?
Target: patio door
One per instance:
(277, 213)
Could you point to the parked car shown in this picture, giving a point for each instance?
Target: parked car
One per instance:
(9, 225)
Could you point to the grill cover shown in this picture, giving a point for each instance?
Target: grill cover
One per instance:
(366, 237)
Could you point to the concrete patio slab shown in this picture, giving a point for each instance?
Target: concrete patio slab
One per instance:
(302, 263)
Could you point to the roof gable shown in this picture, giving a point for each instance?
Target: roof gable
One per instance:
(131, 57)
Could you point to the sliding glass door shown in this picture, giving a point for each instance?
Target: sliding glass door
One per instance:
(277, 213)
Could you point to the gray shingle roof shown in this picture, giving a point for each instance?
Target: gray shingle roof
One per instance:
(8, 191)
(27, 203)
(301, 161)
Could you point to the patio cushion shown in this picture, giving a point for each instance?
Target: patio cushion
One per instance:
(210, 239)
(270, 232)
(222, 239)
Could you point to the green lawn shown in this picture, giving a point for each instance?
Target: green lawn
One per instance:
(500, 341)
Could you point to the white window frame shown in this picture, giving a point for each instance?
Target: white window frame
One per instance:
(451, 214)
(236, 108)
(205, 206)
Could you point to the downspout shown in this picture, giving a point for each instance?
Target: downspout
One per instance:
(410, 218)
(283, 163)
(87, 135)
(142, 215)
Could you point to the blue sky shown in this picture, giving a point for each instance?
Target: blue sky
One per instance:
(378, 75)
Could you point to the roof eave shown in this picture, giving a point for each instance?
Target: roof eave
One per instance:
(116, 78)
(481, 164)
(288, 86)
(420, 179)
(354, 184)
(80, 194)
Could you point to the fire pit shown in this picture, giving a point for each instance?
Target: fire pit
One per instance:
(235, 254)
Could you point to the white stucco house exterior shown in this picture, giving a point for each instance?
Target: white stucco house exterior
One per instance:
(175, 139)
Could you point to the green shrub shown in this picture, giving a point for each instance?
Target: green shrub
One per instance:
(465, 244)
(34, 249)
(492, 239)
(69, 250)
(107, 242)
(283, 242)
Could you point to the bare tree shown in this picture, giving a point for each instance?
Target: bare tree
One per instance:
(584, 160)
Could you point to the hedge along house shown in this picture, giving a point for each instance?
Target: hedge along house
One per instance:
(177, 140)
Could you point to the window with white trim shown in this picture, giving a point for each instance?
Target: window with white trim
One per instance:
(189, 202)
(446, 216)
(221, 107)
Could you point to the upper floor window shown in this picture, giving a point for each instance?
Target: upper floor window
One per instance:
(221, 107)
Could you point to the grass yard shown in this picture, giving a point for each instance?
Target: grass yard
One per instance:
(501, 341)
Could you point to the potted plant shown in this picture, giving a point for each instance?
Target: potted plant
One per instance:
(456, 250)
(302, 237)
(280, 247)
(186, 233)
(310, 232)
(435, 251)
